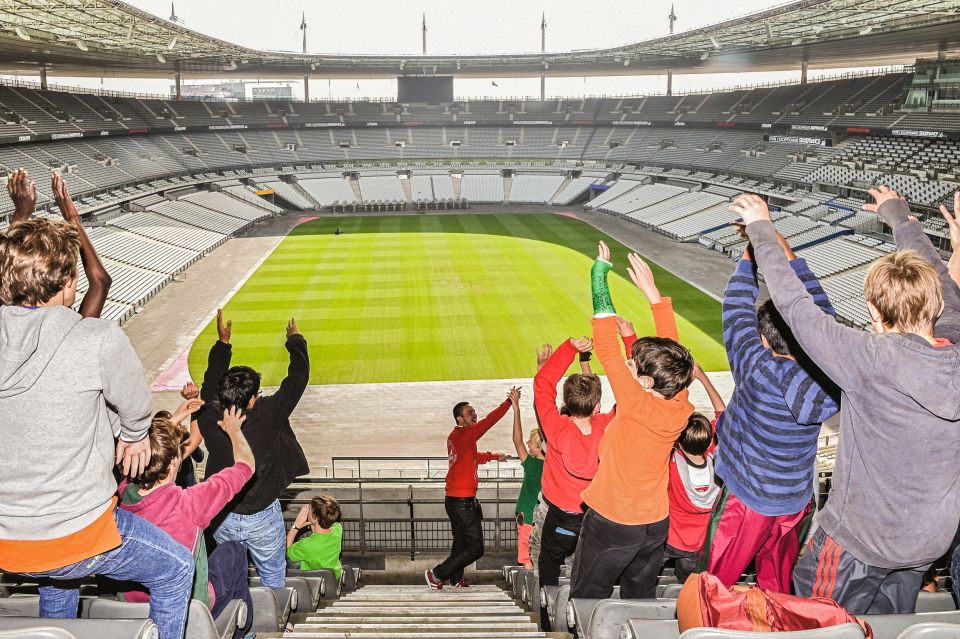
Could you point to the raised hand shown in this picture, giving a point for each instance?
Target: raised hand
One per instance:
(61, 196)
(23, 194)
(603, 252)
(642, 275)
(303, 516)
(880, 195)
(750, 207)
(292, 328)
(514, 396)
(625, 327)
(189, 391)
(187, 408)
(502, 457)
(223, 330)
(953, 221)
(134, 457)
(543, 354)
(582, 344)
(232, 420)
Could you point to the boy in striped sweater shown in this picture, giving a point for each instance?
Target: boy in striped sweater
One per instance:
(767, 436)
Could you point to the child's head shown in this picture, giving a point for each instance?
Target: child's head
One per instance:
(166, 438)
(324, 511)
(903, 293)
(696, 438)
(581, 394)
(38, 259)
(774, 332)
(535, 443)
(660, 364)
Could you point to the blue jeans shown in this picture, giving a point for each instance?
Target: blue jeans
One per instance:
(264, 535)
(147, 556)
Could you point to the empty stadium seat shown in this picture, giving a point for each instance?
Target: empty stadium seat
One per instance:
(935, 601)
(843, 631)
(890, 626)
(927, 630)
(86, 628)
(604, 618)
(39, 632)
(200, 624)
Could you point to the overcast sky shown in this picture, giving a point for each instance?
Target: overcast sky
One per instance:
(482, 26)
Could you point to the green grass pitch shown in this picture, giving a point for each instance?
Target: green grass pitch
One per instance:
(439, 297)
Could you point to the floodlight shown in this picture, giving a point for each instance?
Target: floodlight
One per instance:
(705, 55)
(626, 62)
(713, 41)
(161, 59)
(866, 30)
(313, 66)
(81, 45)
(23, 35)
(172, 44)
(796, 41)
(546, 65)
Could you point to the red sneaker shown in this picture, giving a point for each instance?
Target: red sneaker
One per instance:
(463, 583)
(433, 582)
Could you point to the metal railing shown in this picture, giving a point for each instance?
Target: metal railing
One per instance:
(410, 468)
(418, 529)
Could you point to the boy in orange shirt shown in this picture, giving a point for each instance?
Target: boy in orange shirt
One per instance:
(626, 523)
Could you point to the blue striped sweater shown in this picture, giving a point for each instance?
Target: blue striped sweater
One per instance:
(767, 447)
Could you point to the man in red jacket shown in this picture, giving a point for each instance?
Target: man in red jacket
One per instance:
(461, 503)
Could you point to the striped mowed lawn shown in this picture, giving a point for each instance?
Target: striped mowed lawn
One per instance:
(439, 297)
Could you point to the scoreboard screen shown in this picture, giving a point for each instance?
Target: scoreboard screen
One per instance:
(433, 89)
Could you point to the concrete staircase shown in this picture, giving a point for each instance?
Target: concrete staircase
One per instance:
(381, 612)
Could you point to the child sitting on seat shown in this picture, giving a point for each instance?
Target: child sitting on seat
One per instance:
(321, 549)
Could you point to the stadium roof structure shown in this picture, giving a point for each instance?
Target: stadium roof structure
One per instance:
(112, 38)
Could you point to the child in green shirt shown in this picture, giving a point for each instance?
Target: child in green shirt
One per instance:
(531, 459)
(321, 549)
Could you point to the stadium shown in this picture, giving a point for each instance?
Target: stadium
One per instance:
(425, 245)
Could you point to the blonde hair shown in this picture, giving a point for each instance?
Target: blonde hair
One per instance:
(536, 436)
(906, 291)
(38, 257)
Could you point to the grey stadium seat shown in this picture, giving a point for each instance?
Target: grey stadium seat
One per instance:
(935, 602)
(531, 590)
(288, 597)
(87, 628)
(554, 599)
(843, 631)
(200, 624)
(323, 584)
(609, 615)
(271, 608)
(890, 626)
(40, 632)
(924, 631)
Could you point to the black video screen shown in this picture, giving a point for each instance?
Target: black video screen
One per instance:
(434, 89)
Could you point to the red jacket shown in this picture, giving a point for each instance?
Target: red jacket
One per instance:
(462, 452)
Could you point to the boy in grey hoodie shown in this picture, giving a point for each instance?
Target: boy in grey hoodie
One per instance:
(59, 373)
(885, 522)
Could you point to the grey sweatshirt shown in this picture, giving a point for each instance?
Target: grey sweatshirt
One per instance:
(58, 374)
(895, 500)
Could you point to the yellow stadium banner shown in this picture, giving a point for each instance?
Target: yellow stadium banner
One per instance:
(264, 191)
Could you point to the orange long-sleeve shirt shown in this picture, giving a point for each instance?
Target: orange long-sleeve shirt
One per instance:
(630, 486)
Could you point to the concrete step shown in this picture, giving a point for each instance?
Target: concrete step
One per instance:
(419, 619)
(413, 635)
(424, 627)
(418, 605)
(431, 611)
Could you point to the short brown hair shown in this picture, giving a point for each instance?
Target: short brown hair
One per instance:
(326, 510)
(667, 362)
(906, 291)
(581, 394)
(37, 259)
(166, 440)
(696, 438)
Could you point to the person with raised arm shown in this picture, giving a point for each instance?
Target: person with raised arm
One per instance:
(75, 402)
(626, 523)
(887, 517)
(530, 454)
(460, 502)
(254, 516)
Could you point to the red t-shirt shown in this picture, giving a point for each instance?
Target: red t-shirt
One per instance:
(689, 520)
(463, 456)
(571, 457)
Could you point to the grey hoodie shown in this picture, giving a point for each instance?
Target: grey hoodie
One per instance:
(58, 373)
(895, 499)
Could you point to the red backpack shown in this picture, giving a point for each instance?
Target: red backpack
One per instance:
(705, 602)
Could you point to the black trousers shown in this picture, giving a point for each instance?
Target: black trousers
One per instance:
(609, 552)
(465, 522)
(561, 530)
(685, 564)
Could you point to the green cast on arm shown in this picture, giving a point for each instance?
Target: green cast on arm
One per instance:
(602, 304)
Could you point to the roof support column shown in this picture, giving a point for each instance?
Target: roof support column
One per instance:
(43, 77)
(176, 79)
(306, 87)
(803, 71)
(669, 81)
